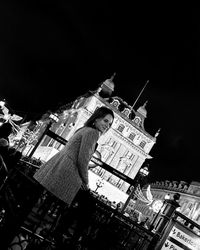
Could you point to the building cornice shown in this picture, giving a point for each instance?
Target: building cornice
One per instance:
(128, 120)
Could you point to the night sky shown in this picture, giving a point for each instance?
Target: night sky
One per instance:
(54, 51)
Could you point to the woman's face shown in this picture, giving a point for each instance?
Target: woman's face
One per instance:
(103, 124)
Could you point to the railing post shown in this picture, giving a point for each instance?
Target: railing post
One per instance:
(40, 139)
(128, 199)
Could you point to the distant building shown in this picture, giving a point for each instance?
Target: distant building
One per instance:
(189, 200)
(125, 146)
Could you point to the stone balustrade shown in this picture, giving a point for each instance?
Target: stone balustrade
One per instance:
(180, 186)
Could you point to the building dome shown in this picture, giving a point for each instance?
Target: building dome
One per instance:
(142, 110)
(107, 87)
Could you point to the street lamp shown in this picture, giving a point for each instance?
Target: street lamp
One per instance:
(143, 172)
(99, 184)
(159, 210)
(165, 214)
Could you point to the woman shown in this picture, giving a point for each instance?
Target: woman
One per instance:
(65, 175)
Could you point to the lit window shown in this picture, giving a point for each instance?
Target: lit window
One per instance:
(142, 144)
(121, 127)
(131, 136)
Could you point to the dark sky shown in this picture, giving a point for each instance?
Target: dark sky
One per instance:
(53, 51)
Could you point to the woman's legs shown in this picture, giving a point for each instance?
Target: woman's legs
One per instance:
(78, 215)
(84, 211)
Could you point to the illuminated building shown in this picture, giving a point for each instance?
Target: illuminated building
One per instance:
(125, 146)
(189, 199)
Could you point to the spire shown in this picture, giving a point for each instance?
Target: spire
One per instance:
(157, 133)
(107, 87)
(145, 104)
(140, 116)
(112, 77)
(142, 110)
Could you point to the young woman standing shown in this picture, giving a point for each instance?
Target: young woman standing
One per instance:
(65, 175)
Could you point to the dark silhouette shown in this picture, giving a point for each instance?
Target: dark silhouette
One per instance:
(5, 130)
(9, 155)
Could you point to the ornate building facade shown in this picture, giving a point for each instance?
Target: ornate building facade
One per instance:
(189, 199)
(125, 146)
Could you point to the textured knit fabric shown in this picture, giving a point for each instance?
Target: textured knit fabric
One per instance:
(66, 171)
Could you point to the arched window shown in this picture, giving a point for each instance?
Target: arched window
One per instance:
(142, 144)
(137, 120)
(115, 103)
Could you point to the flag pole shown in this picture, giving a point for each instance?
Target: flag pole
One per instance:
(140, 93)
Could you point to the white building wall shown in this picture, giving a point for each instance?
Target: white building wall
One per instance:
(116, 148)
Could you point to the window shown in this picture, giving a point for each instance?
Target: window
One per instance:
(142, 144)
(131, 136)
(121, 127)
(137, 120)
(115, 103)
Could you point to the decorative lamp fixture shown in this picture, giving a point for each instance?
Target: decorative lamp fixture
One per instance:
(99, 184)
(144, 171)
(157, 205)
(2, 103)
(167, 197)
(54, 117)
(11, 118)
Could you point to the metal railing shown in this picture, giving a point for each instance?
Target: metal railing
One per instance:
(34, 216)
(108, 229)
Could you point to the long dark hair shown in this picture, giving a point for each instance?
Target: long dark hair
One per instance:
(98, 113)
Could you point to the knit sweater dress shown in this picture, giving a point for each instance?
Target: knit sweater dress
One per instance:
(66, 171)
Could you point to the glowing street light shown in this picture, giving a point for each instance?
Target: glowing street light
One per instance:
(144, 171)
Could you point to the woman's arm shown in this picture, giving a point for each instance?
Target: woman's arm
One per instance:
(87, 147)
